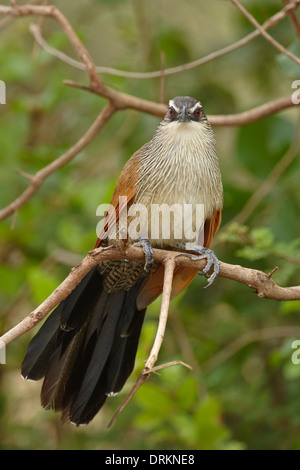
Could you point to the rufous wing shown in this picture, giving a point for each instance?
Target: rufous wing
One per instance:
(125, 188)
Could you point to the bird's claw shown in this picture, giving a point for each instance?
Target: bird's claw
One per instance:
(202, 252)
(147, 248)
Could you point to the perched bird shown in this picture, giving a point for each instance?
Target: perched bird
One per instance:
(86, 349)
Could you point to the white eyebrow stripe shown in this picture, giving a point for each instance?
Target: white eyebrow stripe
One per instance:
(172, 105)
(197, 105)
(177, 109)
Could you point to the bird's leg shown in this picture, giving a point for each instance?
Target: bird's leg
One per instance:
(147, 248)
(202, 253)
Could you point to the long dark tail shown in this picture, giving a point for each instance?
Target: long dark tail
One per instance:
(86, 349)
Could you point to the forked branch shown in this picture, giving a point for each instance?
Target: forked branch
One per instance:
(259, 282)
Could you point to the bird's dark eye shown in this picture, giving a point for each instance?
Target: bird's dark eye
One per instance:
(171, 112)
(198, 112)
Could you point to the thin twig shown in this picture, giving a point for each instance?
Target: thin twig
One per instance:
(293, 16)
(53, 12)
(266, 35)
(271, 22)
(162, 78)
(169, 364)
(250, 337)
(273, 271)
(182, 340)
(140, 381)
(8, 20)
(123, 100)
(169, 264)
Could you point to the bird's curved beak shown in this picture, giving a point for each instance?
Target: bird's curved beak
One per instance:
(183, 114)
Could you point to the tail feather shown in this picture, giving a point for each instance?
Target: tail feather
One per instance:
(55, 383)
(45, 342)
(81, 300)
(112, 378)
(116, 381)
(97, 362)
(128, 330)
(86, 349)
(105, 369)
(38, 352)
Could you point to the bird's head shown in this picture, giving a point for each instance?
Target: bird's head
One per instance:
(184, 109)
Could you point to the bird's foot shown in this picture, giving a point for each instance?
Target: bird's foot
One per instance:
(202, 252)
(147, 248)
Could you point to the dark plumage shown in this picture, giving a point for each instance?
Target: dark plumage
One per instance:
(86, 348)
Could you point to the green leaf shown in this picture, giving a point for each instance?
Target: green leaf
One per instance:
(287, 65)
(42, 283)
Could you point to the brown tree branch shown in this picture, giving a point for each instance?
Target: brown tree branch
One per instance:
(259, 282)
(293, 16)
(254, 114)
(53, 12)
(37, 180)
(124, 101)
(117, 100)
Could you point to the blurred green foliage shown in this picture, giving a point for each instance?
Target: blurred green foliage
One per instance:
(249, 400)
